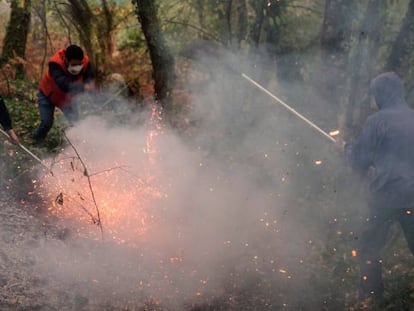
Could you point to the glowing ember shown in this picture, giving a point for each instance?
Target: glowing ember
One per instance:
(334, 133)
(318, 162)
(115, 197)
(121, 201)
(354, 253)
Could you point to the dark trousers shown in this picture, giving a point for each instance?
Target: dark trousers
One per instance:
(47, 112)
(372, 242)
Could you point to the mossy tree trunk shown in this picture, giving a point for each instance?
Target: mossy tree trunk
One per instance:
(363, 65)
(400, 59)
(161, 58)
(336, 35)
(14, 45)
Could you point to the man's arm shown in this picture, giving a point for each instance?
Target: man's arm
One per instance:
(5, 120)
(88, 76)
(63, 81)
(361, 154)
(88, 79)
(6, 123)
(60, 77)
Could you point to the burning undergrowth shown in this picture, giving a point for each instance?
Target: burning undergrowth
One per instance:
(94, 182)
(176, 222)
(177, 228)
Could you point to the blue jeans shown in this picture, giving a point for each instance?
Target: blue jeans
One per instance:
(47, 111)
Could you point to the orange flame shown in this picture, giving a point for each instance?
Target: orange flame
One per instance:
(121, 196)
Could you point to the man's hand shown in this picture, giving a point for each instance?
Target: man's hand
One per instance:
(90, 86)
(13, 137)
(340, 144)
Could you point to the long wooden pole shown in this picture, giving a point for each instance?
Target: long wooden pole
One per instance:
(281, 102)
(31, 154)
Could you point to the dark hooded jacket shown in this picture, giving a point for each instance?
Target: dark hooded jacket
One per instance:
(5, 120)
(386, 145)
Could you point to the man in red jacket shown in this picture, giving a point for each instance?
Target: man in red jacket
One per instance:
(69, 73)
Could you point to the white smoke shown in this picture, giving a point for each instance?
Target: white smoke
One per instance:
(224, 221)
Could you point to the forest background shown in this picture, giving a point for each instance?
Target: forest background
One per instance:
(318, 56)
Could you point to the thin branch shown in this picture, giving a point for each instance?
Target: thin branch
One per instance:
(94, 219)
(108, 170)
(62, 18)
(170, 21)
(142, 182)
(86, 174)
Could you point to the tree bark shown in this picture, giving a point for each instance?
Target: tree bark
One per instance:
(337, 25)
(334, 86)
(161, 58)
(256, 29)
(16, 34)
(361, 67)
(237, 21)
(400, 59)
(94, 28)
(335, 43)
(81, 16)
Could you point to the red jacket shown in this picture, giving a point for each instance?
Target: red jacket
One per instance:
(48, 86)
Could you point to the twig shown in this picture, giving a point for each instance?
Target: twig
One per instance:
(85, 173)
(94, 219)
(185, 24)
(108, 170)
(142, 182)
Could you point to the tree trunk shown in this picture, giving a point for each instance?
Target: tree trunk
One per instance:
(361, 68)
(256, 29)
(400, 59)
(335, 47)
(337, 25)
(237, 21)
(161, 58)
(334, 85)
(106, 45)
(81, 16)
(94, 27)
(336, 33)
(42, 36)
(16, 34)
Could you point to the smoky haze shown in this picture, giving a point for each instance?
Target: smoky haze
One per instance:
(234, 206)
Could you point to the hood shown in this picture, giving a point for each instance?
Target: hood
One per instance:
(388, 90)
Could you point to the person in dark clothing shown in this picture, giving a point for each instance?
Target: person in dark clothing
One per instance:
(69, 73)
(6, 122)
(385, 150)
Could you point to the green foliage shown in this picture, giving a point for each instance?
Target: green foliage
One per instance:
(25, 118)
(131, 38)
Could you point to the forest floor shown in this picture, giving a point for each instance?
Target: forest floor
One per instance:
(26, 235)
(23, 286)
(28, 238)
(20, 286)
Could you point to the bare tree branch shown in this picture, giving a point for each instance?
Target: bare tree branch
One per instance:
(86, 174)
